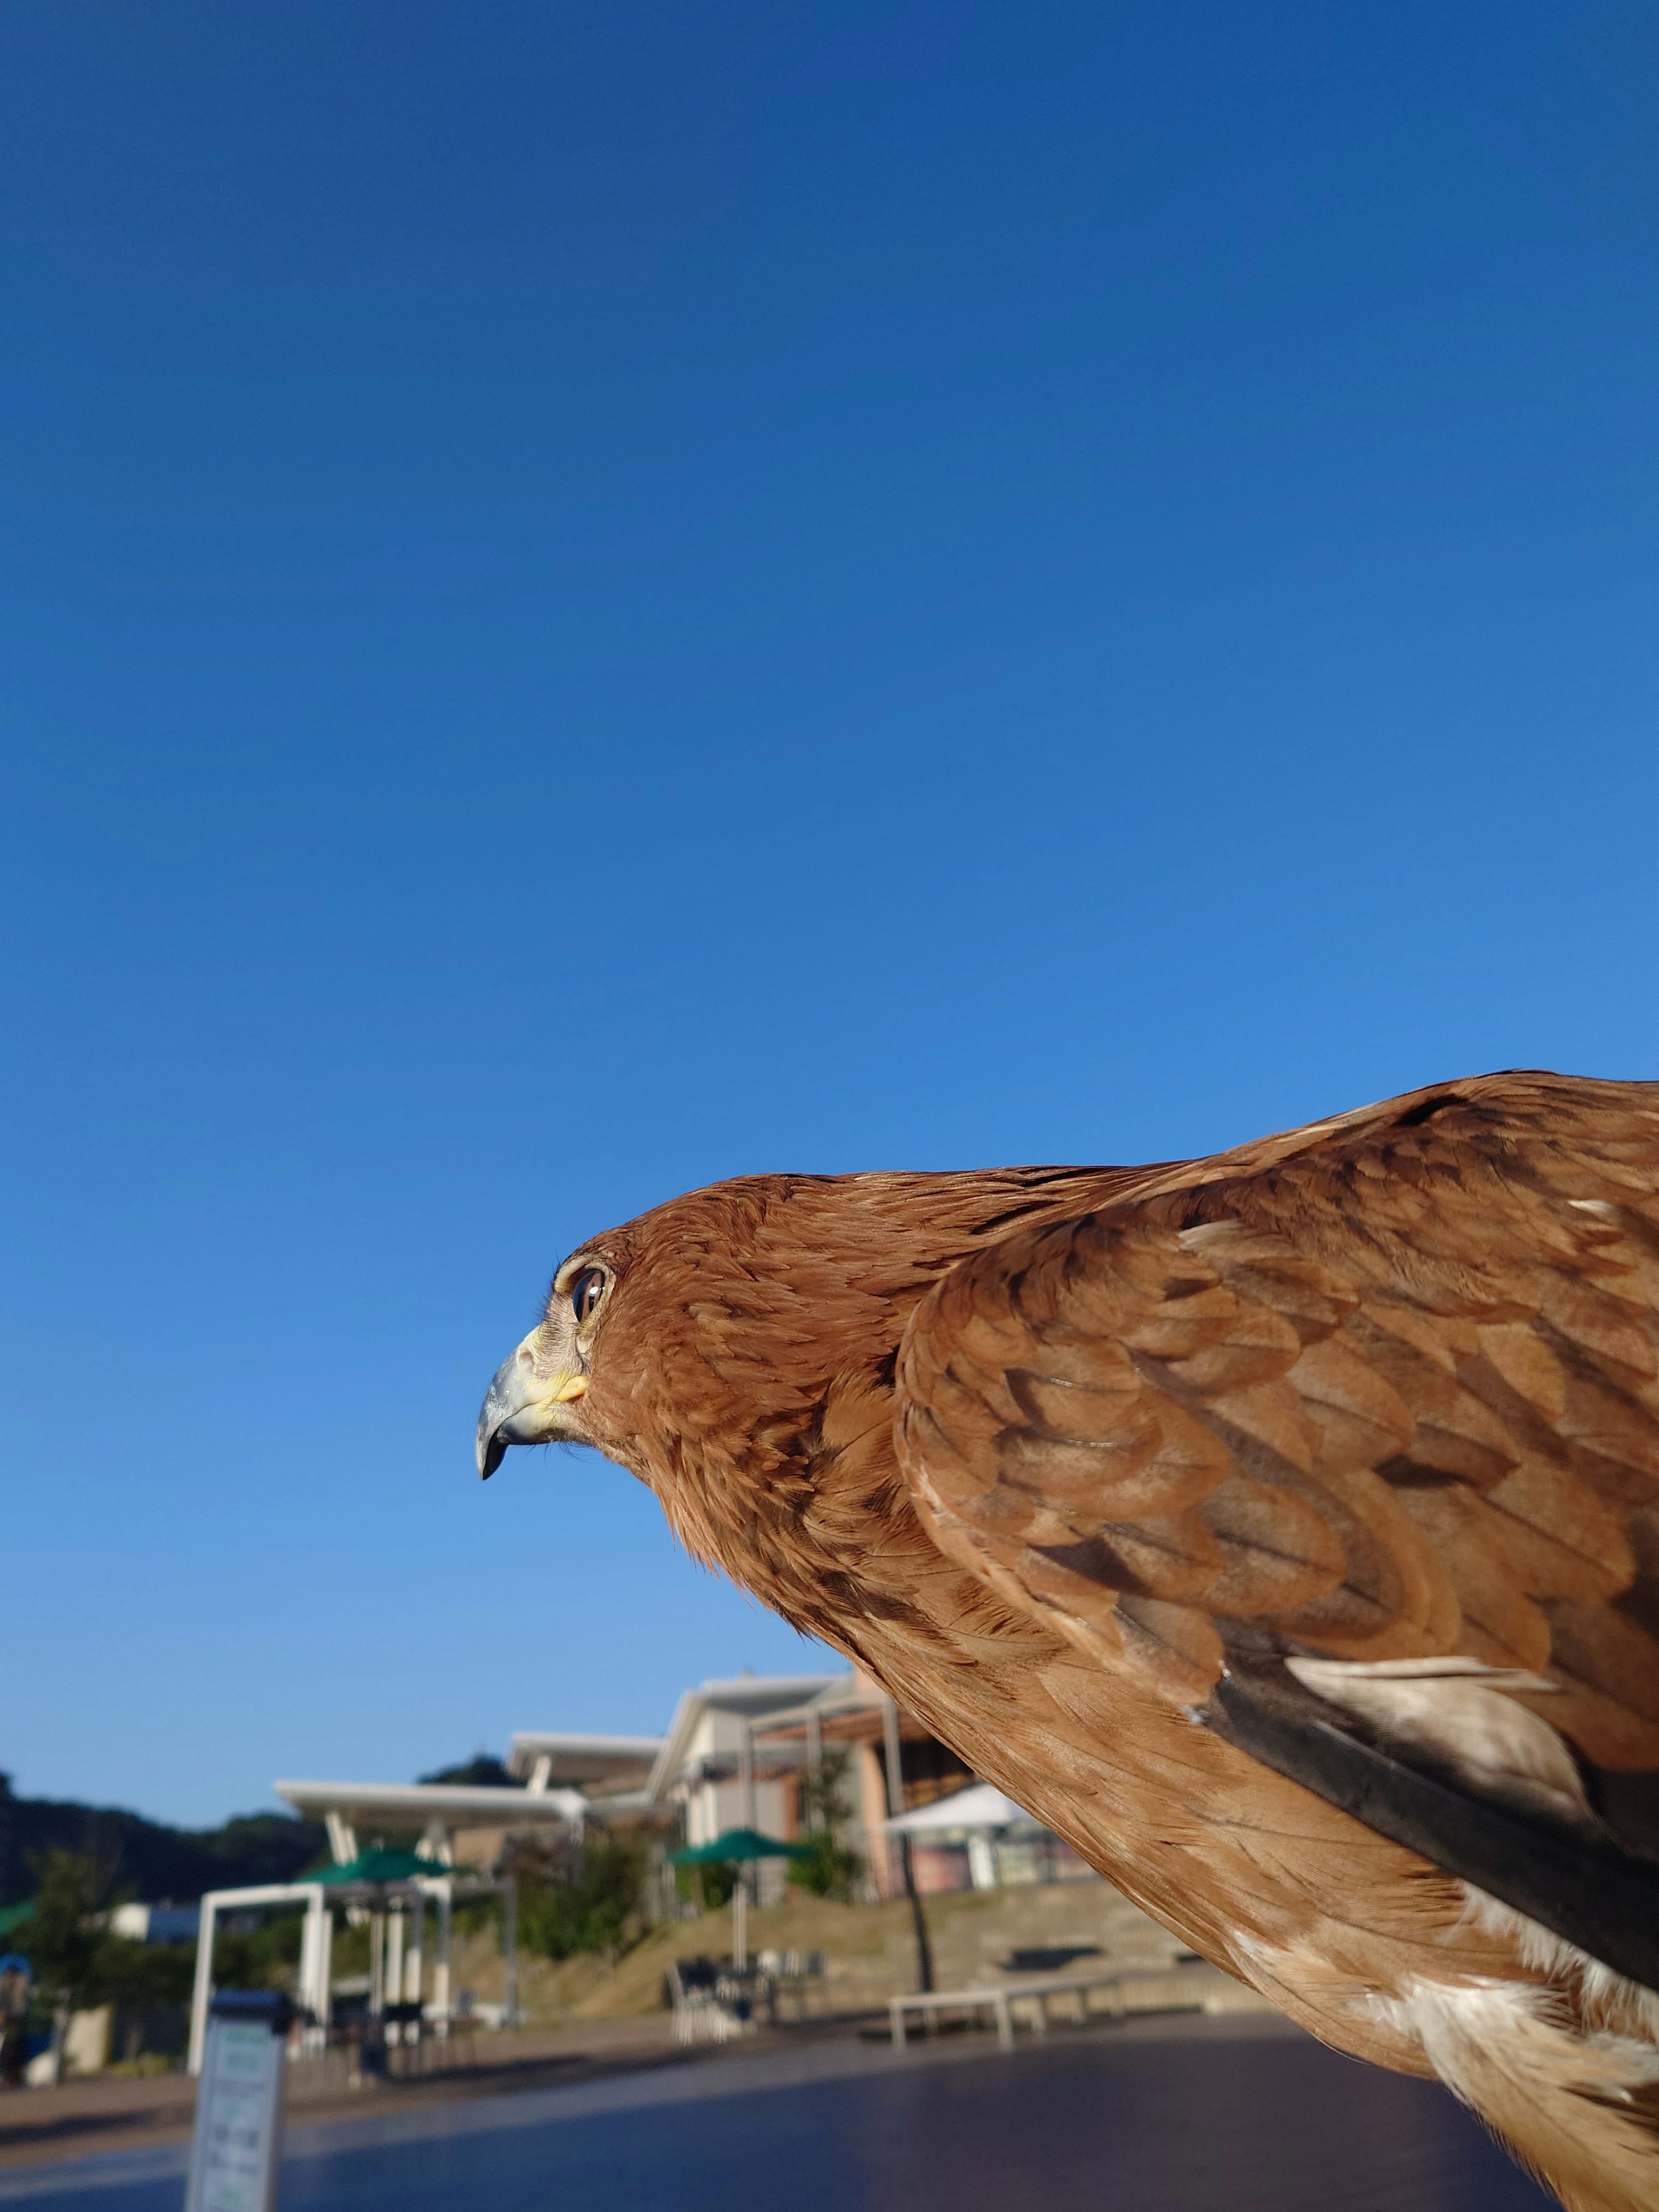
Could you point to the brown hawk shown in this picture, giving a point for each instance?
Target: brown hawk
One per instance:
(1282, 1528)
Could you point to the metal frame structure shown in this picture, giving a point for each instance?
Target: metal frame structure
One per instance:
(396, 1911)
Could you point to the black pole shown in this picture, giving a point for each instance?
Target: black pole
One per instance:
(924, 1948)
(893, 1760)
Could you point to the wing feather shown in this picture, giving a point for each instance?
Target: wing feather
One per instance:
(1385, 1392)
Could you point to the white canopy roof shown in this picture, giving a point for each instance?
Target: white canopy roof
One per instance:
(414, 1803)
(981, 1805)
(752, 1697)
(611, 1762)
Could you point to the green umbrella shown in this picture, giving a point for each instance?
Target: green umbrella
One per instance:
(737, 1846)
(379, 1870)
(379, 1865)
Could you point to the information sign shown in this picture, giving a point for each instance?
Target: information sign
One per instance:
(238, 2145)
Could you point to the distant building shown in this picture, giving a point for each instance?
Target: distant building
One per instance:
(606, 1768)
(742, 1751)
(156, 1924)
(713, 1763)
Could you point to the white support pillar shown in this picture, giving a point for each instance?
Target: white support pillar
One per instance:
(509, 1953)
(220, 1901)
(305, 1973)
(316, 1950)
(414, 1962)
(342, 1838)
(394, 1964)
(202, 1992)
(305, 1982)
(441, 1971)
(324, 1973)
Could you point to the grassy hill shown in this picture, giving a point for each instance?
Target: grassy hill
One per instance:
(980, 1937)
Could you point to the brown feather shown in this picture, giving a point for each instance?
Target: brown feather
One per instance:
(1042, 1447)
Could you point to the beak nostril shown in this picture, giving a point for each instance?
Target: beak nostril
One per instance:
(522, 1406)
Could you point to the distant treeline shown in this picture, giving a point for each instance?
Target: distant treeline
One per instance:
(146, 1859)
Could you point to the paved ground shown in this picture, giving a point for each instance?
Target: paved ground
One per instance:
(1174, 2115)
(112, 2111)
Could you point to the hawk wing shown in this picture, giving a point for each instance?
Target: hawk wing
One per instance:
(1347, 1442)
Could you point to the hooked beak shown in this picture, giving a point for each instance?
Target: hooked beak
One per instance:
(521, 1404)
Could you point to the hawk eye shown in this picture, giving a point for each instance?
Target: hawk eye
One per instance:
(586, 1291)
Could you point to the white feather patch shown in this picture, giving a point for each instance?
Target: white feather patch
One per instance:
(1609, 2000)
(1457, 1710)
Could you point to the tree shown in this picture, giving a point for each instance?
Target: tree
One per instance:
(263, 1957)
(63, 1935)
(126, 1973)
(483, 1770)
(153, 1861)
(78, 1962)
(828, 1867)
(588, 1903)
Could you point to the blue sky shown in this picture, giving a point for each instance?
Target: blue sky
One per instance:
(594, 597)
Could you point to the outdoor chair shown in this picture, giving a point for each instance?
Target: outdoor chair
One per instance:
(463, 2023)
(796, 1974)
(707, 2006)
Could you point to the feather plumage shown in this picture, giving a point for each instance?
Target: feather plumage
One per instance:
(1282, 1527)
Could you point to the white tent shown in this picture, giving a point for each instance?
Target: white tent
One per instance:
(979, 1806)
(979, 1816)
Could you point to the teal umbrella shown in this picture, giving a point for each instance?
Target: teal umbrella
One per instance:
(735, 1848)
(378, 1871)
(379, 1865)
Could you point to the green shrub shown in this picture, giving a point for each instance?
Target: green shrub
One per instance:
(128, 1973)
(65, 1939)
(831, 1869)
(591, 1905)
(264, 1958)
(707, 1886)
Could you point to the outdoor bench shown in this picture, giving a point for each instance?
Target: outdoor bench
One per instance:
(1001, 2000)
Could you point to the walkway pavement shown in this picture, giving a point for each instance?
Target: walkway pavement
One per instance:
(111, 2110)
(1167, 2115)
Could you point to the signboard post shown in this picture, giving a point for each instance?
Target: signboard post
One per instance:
(237, 2147)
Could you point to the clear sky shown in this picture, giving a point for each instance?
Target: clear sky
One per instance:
(596, 596)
